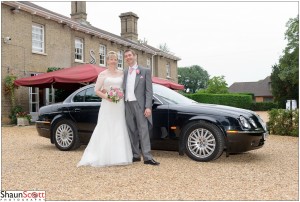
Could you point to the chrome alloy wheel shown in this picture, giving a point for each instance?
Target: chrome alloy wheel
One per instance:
(201, 143)
(64, 135)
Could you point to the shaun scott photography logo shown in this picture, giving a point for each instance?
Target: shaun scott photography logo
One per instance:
(23, 196)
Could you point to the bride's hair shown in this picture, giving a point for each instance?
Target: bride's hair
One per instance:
(111, 53)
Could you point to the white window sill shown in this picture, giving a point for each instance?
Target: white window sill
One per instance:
(168, 77)
(80, 61)
(38, 53)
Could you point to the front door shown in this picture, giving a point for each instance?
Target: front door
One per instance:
(33, 103)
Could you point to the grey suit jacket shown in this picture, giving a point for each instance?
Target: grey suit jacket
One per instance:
(143, 88)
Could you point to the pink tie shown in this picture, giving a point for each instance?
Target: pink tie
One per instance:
(130, 70)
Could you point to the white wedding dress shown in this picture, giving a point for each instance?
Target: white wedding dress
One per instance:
(109, 144)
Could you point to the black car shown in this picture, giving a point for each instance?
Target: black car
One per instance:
(202, 131)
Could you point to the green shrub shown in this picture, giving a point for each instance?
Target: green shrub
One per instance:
(13, 113)
(284, 122)
(234, 100)
(263, 106)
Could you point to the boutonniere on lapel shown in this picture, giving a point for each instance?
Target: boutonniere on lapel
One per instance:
(137, 71)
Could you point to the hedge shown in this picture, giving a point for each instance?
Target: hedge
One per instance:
(284, 122)
(234, 100)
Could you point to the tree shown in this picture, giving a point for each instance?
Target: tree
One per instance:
(279, 87)
(164, 48)
(216, 85)
(143, 41)
(193, 78)
(285, 75)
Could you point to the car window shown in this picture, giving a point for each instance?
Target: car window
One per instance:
(170, 96)
(79, 97)
(90, 96)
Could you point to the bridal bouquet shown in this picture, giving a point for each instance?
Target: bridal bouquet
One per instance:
(115, 94)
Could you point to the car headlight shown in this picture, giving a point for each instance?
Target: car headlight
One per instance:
(253, 122)
(244, 122)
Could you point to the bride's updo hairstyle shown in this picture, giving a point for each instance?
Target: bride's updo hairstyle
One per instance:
(111, 53)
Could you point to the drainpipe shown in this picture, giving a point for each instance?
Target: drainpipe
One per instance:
(152, 65)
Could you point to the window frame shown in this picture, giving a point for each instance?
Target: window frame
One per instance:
(102, 53)
(168, 70)
(78, 39)
(120, 60)
(35, 49)
(148, 62)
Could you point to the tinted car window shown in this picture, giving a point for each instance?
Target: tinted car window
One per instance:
(170, 96)
(79, 97)
(90, 96)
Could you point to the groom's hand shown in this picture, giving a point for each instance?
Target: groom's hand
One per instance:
(147, 112)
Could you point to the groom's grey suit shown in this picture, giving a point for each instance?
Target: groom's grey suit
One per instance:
(137, 123)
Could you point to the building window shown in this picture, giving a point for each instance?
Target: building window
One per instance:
(120, 59)
(168, 70)
(102, 55)
(78, 50)
(148, 62)
(38, 38)
(267, 99)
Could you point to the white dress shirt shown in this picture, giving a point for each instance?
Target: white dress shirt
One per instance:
(130, 96)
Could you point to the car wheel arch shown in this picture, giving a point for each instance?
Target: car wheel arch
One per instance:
(54, 121)
(67, 129)
(197, 120)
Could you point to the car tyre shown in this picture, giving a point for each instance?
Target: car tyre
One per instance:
(66, 136)
(203, 141)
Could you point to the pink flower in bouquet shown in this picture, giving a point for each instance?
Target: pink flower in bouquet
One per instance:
(137, 71)
(120, 94)
(115, 94)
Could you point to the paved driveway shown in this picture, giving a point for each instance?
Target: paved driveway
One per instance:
(30, 162)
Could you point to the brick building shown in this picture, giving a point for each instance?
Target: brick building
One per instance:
(261, 89)
(34, 38)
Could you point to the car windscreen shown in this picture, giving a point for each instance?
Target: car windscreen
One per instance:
(170, 96)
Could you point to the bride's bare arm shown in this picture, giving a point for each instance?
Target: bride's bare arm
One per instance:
(99, 85)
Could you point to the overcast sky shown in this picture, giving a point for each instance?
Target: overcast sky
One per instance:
(240, 40)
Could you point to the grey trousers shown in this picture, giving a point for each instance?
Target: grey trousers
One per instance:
(138, 130)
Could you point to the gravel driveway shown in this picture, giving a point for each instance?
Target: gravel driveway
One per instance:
(30, 162)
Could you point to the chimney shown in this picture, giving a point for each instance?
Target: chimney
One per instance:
(129, 26)
(78, 13)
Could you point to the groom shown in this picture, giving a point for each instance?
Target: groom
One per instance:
(137, 85)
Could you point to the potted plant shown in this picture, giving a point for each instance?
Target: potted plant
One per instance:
(23, 118)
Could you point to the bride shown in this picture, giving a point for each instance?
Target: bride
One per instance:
(109, 144)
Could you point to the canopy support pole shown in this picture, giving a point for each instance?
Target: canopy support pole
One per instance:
(52, 94)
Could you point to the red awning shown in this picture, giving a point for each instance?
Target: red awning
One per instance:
(67, 78)
(167, 83)
(72, 77)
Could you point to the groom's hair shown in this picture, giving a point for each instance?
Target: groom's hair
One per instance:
(130, 50)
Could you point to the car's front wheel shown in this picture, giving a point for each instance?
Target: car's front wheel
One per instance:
(66, 136)
(203, 141)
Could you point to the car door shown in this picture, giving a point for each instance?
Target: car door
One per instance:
(160, 120)
(84, 110)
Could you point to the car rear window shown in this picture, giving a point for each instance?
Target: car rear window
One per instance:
(79, 97)
(90, 96)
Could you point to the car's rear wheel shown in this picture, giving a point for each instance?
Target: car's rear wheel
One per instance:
(66, 136)
(203, 141)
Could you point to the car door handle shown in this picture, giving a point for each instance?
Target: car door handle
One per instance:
(77, 110)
